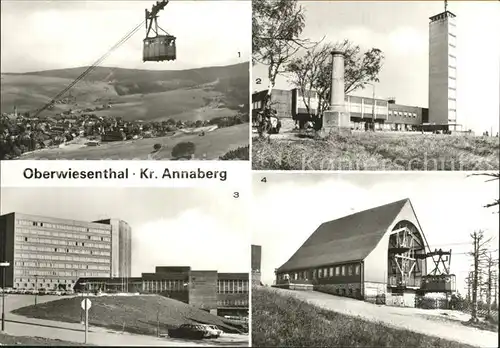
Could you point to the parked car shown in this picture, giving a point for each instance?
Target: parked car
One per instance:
(214, 331)
(191, 331)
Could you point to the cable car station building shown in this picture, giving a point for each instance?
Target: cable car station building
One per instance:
(378, 255)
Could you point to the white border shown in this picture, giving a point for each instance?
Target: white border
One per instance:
(237, 174)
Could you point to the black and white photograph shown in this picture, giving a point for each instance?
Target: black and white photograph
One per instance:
(124, 267)
(375, 260)
(123, 80)
(374, 85)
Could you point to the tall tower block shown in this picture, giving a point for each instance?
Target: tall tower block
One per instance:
(443, 70)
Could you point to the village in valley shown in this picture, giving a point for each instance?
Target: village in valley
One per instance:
(21, 133)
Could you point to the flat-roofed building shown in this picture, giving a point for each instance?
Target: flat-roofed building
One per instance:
(209, 290)
(385, 113)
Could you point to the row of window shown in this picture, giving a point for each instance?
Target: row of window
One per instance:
(326, 272)
(103, 245)
(57, 273)
(53, 233)
(60, 257)
(62, 226)
(232, 303)
(233, 286)
(402, 113)
(62, 265)
(164, 285)
(40, 284)
(62, 250)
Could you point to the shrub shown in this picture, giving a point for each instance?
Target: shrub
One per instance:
(183, 150)
(157, 147)
(242, 153)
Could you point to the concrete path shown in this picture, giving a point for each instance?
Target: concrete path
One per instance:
(440, 323)
(17, 325)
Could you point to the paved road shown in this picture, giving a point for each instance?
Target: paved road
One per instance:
(429, 322)
(21, 326)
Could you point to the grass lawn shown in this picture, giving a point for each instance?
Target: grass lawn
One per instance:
(135, 314)
(378, 151)
(283, 321)
(8, 340)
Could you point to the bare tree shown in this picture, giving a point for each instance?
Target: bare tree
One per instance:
(480, 251)
(489, 273)
(276, 29)
(493, 177)
(313, 71)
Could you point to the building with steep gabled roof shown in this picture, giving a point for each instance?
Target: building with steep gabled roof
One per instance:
(378, 255)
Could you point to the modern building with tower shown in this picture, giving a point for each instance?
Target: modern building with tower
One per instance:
(443, 70)
(218, 293)
(379, 255)
(53, 253)
(358, 113)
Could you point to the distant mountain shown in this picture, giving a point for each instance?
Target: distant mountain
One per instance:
(134, 81)
(227, 85)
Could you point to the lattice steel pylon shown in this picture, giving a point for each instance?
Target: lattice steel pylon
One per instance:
(443, 260)
(404, 251)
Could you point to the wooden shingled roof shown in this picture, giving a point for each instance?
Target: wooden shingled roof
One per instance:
(350, 238)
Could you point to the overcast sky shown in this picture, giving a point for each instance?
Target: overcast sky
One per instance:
(43, 35)
(401, 31)
(449, 207)
(170, 227)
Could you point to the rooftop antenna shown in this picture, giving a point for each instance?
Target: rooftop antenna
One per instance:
(445, 5)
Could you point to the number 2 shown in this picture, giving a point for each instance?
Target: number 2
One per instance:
(258, 81)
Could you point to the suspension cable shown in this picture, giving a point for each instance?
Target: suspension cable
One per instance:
(92, 67)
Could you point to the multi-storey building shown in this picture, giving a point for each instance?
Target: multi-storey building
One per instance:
(52, 253)
(121, 245)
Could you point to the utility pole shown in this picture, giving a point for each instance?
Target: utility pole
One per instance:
(475, 238)
(158, 322)
(469, 283)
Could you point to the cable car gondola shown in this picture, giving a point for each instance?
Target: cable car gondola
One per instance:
(160, 47)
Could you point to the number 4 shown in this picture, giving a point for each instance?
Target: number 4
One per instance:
(263, 179)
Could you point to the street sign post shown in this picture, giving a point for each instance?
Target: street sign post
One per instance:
(86, 304)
